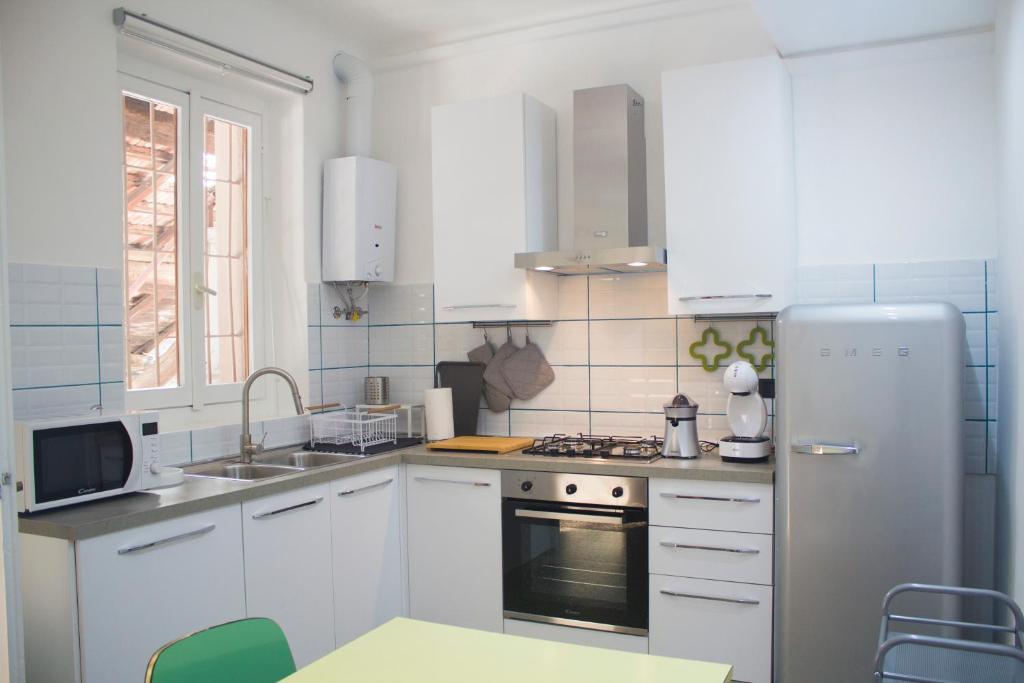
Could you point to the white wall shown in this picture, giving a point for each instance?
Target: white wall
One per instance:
(549, 69)
(895, 155)
(1010, 494)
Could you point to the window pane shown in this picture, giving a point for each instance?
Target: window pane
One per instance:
(226, 250)
(151, 242)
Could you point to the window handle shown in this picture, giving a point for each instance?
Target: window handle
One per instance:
(203, 289)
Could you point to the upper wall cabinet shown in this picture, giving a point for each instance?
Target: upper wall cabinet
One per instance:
(494, 195)
(729, 188)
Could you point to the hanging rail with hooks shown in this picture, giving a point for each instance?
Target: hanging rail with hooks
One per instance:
(486, 324)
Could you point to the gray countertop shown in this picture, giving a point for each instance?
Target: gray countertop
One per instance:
(87, 520)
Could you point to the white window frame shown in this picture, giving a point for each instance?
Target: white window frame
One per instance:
(195, 100)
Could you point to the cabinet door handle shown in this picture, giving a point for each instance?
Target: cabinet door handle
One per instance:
(297, 506)
(811, 448)
(569, 517)
(721, 499)
(715, 598)
(742, 551)
(366, 488)
(720, 297)
(164, 541)
(453, 481)
(458, 307)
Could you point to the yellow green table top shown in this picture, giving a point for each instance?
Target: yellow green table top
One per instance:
(404, 650)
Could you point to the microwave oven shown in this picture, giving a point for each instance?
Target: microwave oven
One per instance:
(68, 460)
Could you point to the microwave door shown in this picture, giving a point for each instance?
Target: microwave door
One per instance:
(80, 461)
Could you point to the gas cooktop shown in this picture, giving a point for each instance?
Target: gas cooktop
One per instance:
(637, 449)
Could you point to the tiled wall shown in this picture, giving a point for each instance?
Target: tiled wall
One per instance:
(617, 354)
(969, 285)
(67, 357)
(67, 348)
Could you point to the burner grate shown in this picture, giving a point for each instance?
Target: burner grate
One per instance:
(639, 449)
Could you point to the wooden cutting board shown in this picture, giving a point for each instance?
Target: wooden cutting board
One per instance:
(482, 444)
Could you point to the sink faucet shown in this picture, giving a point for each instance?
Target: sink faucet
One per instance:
(247, 447)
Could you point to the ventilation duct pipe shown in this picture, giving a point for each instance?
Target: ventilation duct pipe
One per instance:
(356, 76)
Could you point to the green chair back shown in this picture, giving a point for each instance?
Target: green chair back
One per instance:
(250, 650)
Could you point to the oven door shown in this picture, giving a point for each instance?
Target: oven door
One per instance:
(577, 565)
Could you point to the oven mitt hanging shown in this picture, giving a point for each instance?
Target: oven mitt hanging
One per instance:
(493, 375)
(496, 401)
(527, 372)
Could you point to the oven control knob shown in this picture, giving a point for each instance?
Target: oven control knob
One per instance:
(570, 489)
(526, 485)
(617, 492)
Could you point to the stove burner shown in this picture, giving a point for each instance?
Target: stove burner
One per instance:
(647, 449)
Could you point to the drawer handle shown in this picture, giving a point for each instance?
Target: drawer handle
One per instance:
(742, 551)
(825, 448)
(366, 488)
(453, 481)
(170, 539)
(719, 297)
(715, 598)
(297, 506)
(459, 307)
(721, 499)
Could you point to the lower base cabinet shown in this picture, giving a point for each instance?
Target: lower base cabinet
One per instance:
(288, 567)
(366, 542)
(454, 537)
(715, 621)
(141, 588)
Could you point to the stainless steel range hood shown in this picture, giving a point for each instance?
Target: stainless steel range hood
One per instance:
(610, 189)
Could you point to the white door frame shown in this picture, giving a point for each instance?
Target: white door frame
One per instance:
(13, 649)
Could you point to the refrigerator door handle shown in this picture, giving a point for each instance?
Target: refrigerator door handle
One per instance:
(825, 448)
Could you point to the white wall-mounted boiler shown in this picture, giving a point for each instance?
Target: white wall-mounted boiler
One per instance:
(358, 220)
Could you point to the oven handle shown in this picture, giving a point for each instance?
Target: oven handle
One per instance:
(569, 517)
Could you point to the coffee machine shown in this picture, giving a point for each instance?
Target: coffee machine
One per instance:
(747, 415)
(681, 428)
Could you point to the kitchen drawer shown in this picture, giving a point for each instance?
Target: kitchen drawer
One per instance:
(715, 621)
(721, 505)
(702, 554)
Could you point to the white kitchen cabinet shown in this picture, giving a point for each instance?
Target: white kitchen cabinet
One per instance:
(367, 547)
(141, 588)
(719, 555)
(288, 567)
(729, 188)
(454, 537)
(714, 621)
(494, 192)
(721, 505)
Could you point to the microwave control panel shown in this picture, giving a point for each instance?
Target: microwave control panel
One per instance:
(150, 447)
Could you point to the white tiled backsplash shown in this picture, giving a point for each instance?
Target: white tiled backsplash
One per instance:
(618, 355)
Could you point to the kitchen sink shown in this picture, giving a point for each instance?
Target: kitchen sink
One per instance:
(306, 459)
(239, 471)
(272, 463)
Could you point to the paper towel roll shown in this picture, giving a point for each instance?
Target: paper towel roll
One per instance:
(440, 420)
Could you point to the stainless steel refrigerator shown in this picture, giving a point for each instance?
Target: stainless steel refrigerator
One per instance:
(869, 475)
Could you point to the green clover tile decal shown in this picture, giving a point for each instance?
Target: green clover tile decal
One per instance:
(713, 363)
(756, 332)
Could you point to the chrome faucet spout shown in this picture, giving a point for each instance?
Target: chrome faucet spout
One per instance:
(246, 447)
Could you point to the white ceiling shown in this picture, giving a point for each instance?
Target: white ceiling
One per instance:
(388, 27)
(799, 26)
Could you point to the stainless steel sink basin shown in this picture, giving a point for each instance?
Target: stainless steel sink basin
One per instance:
(239, 471)
(306, 459)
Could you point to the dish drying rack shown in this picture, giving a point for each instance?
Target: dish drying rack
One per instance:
(355, 427)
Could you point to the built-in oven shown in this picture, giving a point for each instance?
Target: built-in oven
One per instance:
(575, 550)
